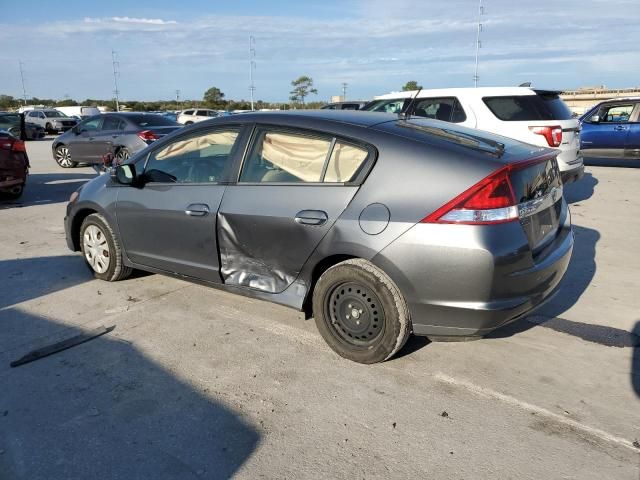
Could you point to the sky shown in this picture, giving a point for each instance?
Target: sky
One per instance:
(375, 46)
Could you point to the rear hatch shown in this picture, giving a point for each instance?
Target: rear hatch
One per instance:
(535, 117)
(538, 190)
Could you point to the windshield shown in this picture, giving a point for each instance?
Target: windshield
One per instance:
(152, 120)
(54, 114)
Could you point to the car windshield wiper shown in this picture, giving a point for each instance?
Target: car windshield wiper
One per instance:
(465, 139)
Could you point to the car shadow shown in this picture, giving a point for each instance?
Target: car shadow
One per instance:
(580, 190)
(46, 188)
(635, 361)
(104, 409)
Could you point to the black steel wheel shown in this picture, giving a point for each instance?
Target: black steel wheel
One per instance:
(360, 312)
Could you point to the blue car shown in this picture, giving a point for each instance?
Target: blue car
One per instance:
(612, 129)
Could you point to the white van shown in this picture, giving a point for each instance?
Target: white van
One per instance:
(539, 117)
(79, 111)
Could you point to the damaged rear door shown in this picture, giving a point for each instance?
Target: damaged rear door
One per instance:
(293, 186)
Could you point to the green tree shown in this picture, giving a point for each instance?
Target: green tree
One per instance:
(213, 97)
(302, 87)
(411, 85)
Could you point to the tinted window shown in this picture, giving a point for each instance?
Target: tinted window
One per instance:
(54, 114)
(546, 106)
(151, 120)
(615, 113)
(350, 106)
(447, 109)
(197, 159)
(286, 157)
(112, 123)
(188, 112)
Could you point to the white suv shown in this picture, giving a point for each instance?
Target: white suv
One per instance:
(538, 117)
(194, 115)
(53, 121)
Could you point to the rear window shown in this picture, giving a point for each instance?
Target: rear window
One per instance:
(152, 121)
(388, 106)
(541, 106)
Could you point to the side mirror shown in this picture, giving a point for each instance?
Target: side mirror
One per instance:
(595, 119)
(124, 174)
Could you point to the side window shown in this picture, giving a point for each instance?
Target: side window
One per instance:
(41, 115)
(616, 114)
(198, 159)
(445, 109)
(285, 157)
(188, 112)
(345, 162)
(93, 124)
(111, 123)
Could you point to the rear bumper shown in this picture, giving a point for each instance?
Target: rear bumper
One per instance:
(573, 175)
(462, 280)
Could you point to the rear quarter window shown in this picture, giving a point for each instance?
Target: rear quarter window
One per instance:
(519, 108)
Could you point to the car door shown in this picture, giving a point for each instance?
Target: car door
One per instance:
(168, 221)
(604, 133)
(80, 146)
(292, 187)
(632, 146)
(103, 139)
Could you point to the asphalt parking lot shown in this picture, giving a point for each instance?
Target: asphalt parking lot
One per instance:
(198, 383)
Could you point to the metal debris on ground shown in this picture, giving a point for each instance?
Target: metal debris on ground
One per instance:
(62, 345)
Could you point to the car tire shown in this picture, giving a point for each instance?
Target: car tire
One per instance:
(122, 155)
(360, 312)
(101, 249)
(13, 194)
(63, 158)
(188, 123)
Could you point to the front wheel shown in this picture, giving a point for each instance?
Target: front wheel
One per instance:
(102, 250)
(360, 312)
(122, 155)
(63, 157)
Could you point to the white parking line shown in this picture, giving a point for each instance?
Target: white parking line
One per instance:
(509, 400)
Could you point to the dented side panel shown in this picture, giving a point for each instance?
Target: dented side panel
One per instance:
(262, 243)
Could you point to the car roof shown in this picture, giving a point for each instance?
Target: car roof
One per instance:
(451, 92)
(353, 117)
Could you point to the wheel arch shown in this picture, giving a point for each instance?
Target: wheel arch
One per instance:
(320, 267)
(77, 223)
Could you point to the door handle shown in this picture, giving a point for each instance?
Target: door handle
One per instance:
(311, 217)
(620, 127)
(197, 210)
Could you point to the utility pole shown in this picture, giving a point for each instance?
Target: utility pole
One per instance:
(344, 90)
(252, 66)
(478, 44)
(24, 90)
(116, 92)
(178, 99)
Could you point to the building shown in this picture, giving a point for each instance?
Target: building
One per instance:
(580, 100)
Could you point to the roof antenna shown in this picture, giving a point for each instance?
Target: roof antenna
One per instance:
(405, 114)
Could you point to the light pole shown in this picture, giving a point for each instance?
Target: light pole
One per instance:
(24, 90)
(478, 44)
(115, 79)
(344, 90)
(252, 66)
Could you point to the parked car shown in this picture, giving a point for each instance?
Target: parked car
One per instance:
(612, 129)
(80, 112)
(375, 225)
(13, 123)
(539, 117)
(194, 115)
(51, 120)
(14, 165)
(118, 134)
(355, 105)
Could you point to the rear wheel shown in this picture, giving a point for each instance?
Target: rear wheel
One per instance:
(122, 155)
(63, 158)
(360, 312)
(101, 249)
(13, 194)
(188, 123)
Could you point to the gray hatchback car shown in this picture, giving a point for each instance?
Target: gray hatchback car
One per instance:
(377, 226)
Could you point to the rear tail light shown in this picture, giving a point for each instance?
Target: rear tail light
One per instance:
(490, 201)
(148, 136)
(553, 135)
(18, 146)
